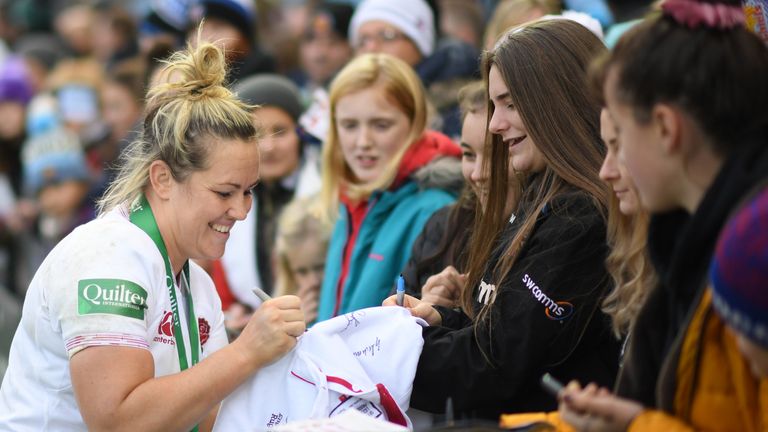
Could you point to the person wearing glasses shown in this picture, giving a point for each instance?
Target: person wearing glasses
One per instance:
(406, 30)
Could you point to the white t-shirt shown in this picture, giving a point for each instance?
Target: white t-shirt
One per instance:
(104, 284)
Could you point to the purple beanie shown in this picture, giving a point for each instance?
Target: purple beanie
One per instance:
(739, 271)
(14, 82)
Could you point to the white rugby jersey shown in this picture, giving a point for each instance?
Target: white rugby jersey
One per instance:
(104, 284)
(364, 360)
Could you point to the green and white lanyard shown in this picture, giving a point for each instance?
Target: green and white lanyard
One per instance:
(141, 216)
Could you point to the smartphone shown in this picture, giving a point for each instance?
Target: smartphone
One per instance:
(551, 385)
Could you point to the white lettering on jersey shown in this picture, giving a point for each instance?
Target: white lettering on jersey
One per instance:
(487, 293)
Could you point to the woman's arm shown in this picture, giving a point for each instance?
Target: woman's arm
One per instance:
(116, 389)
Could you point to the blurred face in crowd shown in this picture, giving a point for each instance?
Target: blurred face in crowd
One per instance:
(75, 26)
(613, 172)
(119, 109)
(280, 146)
(472, 141)
(62, 199)
(371, 130)
(224, 35)
(382, 37)
(323, 52)
(506, 122)
(307, 263)
(12, 124)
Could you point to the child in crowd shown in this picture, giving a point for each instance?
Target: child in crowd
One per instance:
(301, 244)
(383, 174)
(691, 168)
(536, 280)
(57, 179)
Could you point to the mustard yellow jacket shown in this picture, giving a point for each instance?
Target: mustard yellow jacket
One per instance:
(715, 389)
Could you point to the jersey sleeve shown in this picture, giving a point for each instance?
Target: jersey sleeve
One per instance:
(99, 286)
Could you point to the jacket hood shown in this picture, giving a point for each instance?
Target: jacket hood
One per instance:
(433, 161)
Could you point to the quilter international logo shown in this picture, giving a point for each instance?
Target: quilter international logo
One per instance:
(556, 311)
(111, 296)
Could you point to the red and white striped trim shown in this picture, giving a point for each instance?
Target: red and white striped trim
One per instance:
(105, 339)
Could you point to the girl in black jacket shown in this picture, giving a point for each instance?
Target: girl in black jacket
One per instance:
(536, 280)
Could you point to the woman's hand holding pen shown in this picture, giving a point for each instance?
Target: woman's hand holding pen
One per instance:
(444, 288)
(417, 308)
(272, 330)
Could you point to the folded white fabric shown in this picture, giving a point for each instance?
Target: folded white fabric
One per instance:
(364, 360)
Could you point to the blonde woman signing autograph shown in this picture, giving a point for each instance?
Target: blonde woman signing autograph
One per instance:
(120, 330)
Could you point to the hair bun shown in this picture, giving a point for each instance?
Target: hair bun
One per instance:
(194, 74)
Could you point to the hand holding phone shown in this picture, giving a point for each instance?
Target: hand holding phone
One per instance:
(551, 385)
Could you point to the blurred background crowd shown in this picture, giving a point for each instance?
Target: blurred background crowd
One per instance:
(73, 76)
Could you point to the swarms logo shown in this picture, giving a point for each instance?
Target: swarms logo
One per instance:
(562, 311)
(557, 311)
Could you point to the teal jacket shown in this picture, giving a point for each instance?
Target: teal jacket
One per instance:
(393, 220)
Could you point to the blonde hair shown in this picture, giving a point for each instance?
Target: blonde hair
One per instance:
(402, 87)
(182, 114)
(511, 13)
(629, 266)
(299, 221)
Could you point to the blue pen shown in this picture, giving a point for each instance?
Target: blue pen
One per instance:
(400, 290)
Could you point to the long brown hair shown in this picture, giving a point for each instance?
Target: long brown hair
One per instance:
(543, 65)
(629, 266)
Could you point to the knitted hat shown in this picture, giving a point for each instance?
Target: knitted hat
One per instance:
(271, 90)
(739, 271)
(240, 13)
(413, 17)
(14, 84)
(331, 17)
(50, 158)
